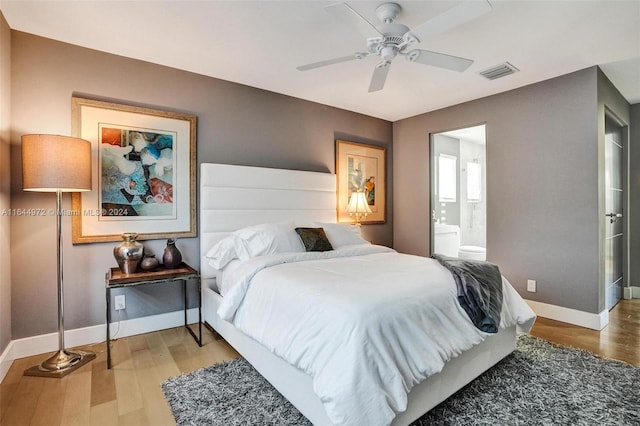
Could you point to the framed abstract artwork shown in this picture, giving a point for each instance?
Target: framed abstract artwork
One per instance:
(143, 172)
(361, 168)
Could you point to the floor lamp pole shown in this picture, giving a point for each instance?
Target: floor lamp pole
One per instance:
(62, 362)
(59, 257)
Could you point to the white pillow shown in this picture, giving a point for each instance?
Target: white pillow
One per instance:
(252, 241)
(270, 238)
(223, 252)
(342, 234)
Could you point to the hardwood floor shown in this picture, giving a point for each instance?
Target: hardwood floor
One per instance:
(618, 340)
(130, 393)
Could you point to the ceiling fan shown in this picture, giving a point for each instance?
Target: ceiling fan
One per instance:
(389, 39)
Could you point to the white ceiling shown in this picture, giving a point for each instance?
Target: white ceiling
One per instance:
(260, 44)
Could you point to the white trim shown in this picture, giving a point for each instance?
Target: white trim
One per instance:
(631, 292)
(6, 360)
(571, 316)
(150, 324)
(44, 343)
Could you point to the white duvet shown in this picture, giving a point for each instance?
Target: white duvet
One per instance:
(365, 322)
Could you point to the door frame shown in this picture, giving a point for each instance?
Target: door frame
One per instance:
(432, 180)
(611, 115)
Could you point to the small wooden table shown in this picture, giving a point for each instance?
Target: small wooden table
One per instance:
(115, 278)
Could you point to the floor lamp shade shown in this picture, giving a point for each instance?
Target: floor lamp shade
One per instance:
(55, 163)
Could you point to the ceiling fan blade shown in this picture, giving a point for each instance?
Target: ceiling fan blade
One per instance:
(461, 14)
(328, 62)
(379, 76)
(346, 14)
(441, 60)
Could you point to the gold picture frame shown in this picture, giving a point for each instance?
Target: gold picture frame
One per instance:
(361, 167)
(143, 172)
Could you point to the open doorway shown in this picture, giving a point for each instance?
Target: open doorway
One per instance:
(458, 193)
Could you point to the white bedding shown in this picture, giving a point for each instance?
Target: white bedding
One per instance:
(366, 323)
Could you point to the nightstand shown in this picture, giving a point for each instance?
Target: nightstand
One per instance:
(115, 278)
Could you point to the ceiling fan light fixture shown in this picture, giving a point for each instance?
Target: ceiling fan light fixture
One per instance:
(387, 53)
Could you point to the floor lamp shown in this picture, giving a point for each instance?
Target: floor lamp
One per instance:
(57, 164)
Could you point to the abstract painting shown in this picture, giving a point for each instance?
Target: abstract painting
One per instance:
(143, 172)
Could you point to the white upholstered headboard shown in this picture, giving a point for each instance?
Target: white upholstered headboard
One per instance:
(232, 197)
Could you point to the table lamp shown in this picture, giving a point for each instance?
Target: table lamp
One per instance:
(358, 206)
(57, 164)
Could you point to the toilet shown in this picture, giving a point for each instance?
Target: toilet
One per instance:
(472, 253)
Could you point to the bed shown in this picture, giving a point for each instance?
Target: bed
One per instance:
(235, 197)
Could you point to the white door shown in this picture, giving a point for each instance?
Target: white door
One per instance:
(614, 187)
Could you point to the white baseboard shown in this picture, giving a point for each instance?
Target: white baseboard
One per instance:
(632, 292)
(44, 343)
(571, 316)
(6, 361)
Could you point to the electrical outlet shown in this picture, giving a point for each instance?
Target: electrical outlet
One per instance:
(119, 302)
(531, 286)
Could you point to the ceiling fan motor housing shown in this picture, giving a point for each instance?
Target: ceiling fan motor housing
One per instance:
(393, 32)
(390, 44)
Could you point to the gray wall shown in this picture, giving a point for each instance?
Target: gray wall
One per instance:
(543, 203)
(236, 125)
(5, 188)
(633, 212)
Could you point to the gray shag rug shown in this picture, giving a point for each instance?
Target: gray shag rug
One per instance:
(538, 384)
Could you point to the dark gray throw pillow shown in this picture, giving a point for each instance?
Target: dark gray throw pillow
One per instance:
(314, 239)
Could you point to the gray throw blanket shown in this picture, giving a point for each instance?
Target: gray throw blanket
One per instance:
(479, 286)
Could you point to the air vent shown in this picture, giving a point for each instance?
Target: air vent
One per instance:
(498, 71)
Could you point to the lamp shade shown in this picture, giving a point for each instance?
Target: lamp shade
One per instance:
(53, 163)
(358, 203)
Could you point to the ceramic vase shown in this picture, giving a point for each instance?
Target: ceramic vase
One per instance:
(128, 253)
(172, 258)
(149, 262)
